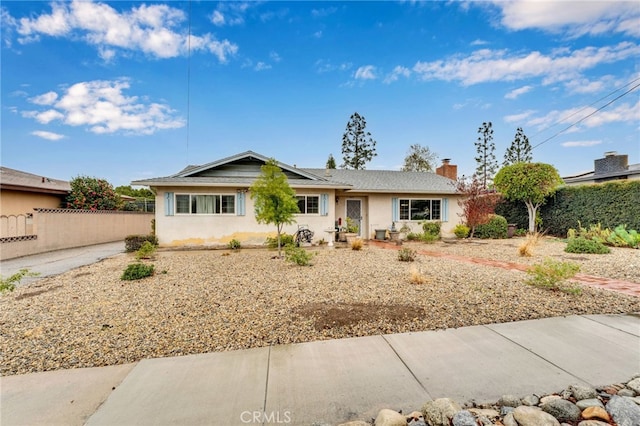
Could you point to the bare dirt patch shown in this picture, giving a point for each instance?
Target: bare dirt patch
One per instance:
(333, 315)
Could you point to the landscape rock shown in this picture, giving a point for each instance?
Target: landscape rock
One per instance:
(626, 392)
(562, 409)
(530, 400)
(355, 423)
(509, 401)
(508, 420)
(580, 392)
(440, 411)
(586, 403)
(464, 418)
(624, 411)
(388, 417)
(532, 416)
(548, 398)
(595, 413)
(486, 412)
(634, 385)
(592, 423)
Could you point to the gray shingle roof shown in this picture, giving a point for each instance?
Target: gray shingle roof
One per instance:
(18, 180)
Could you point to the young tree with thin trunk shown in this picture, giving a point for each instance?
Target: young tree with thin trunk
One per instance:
(275, 202)
(478, 204)
(519, 151)
(531, 183)
(419, 159)
(486, 159)
(358, 147)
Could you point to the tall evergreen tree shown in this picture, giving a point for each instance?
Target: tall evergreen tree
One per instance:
(519, 151)
(419, 159)
(486, 159)
(331, 162)
(358, 147)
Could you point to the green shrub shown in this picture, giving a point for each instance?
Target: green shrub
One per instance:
(146, 251)
(461, 230)
(136, 271)
(412, 236)
(620, 237)
(520, 232)
(134, 242)
(406, 254)
(429, 238)
(583, 245)
(431, 228)
(235, 244)
(9, 284)
(285, 240)
(551, 274)
(496, 228)
(297, 255)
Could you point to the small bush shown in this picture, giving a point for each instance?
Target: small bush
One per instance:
(9, 284)
(297, 255)
(583, 245)
(520, 232)
(461, 230)
(432, 228)
(429, 238)
(496, 228)
(285, 240)
(551, 273)
(412, 236)
(620, 237)
(235, 244)
(146, 251)
(356, 244)
(526, 248)
(406, 255)
(134, 242)
(415, 277)
(136, 271)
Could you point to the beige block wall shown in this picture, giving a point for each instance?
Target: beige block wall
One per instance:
(60, 229)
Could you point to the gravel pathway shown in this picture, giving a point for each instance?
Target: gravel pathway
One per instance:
(204, 301)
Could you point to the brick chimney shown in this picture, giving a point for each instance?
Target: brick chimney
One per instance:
(448, 170)
(611, 163)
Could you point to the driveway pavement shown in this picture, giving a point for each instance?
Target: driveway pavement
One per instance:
(59, 261)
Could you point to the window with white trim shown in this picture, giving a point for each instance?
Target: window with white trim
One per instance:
(205, 204)
(308, 204)
(420, 209)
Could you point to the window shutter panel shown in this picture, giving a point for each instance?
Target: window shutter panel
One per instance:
(240, 201)
(324, 204)
(445, 209)
(394, 209)
(168, 204)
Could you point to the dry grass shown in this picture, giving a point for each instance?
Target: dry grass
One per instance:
(416, 277)
(356, 244)
(531, 241)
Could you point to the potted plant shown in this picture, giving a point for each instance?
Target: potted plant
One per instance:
(393, 232)
(352, 230)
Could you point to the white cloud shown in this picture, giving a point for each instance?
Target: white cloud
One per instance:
(102, 107)
(47, 135)
(573, 144)
(152, 29)
(274, 56)
(518, 118)
(397, 72)
(517, 92)
(45, 99)
(318, 34)
(217, 18)
(323, 12)
(323, 66)
(585, 17)
(260, 66)
(588, 116)
(487, 65)
(366, 72)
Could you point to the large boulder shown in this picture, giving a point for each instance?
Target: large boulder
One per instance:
(440, 412)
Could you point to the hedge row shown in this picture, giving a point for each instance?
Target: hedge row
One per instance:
(610, 204)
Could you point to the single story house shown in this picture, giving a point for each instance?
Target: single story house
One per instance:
(612, 166)
(210, 204)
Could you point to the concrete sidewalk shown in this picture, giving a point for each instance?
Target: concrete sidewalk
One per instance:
(333, 381)
(60, 261)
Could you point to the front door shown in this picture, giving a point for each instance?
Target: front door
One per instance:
(354, 212)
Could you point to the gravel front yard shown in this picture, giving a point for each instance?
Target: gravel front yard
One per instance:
(204, 301)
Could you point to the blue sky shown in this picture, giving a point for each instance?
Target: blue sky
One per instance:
(109, 89)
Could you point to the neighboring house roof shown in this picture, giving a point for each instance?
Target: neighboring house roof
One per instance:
(242, 170)
(611, 167)
(11, 179)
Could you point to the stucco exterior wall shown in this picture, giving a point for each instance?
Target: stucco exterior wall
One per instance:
(204, 230)
(21, 202)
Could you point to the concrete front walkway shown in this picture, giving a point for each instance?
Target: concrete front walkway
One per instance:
(333, 381)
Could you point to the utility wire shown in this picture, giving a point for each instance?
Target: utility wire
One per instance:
(588, 115)
(583, 108)
(188, 80)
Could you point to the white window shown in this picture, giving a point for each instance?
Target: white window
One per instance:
(419, 209)
(308, 204)
(205, 204)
